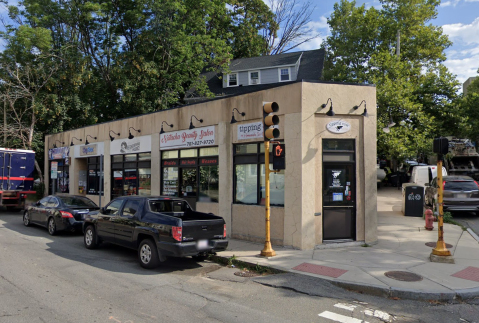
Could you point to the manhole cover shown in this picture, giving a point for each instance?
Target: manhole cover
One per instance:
(433, 245)
(245, 274)
(403, 276)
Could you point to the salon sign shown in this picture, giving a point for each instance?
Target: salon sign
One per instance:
(338, 126)
(197, 137)
(130, 146)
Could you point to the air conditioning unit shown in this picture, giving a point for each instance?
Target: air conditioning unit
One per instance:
(254, 81)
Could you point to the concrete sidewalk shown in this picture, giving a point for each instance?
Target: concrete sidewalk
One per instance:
(401, 247)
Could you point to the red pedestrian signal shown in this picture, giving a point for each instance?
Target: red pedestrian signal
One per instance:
(279, 156)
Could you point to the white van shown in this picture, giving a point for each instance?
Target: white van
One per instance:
(425, 174)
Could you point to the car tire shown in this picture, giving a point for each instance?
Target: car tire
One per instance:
(52, 227)
(26, 219)
(148, 254)
(89, 238)
(200, 258)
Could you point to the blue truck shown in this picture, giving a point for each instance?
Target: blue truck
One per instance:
(16, 183)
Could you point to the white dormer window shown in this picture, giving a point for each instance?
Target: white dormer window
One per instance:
(233, 79)
(254, 77)
(284, 74)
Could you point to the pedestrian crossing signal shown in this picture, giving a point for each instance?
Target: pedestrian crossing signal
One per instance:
(279, 156)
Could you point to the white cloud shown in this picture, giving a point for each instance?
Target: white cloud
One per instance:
(449, 3)
(465, 33)
(463, 63)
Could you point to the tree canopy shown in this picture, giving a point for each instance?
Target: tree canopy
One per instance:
(402, 53)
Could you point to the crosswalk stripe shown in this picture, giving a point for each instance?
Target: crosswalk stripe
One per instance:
(347, 307)
(340, 318)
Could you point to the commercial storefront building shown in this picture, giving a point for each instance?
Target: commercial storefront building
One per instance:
(326, 193)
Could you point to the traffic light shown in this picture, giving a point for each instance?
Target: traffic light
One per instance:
(270, 120)
(440, 146)
(279, 154)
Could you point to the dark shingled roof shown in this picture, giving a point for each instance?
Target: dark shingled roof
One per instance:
(311, 68)
(250, 63)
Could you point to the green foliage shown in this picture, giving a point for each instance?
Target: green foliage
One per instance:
(414, 88)
(447, 217)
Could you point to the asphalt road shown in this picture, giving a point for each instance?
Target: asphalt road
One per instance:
(467, 219)
(56, 279)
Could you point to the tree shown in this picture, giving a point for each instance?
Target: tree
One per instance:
(397, 50)
(293, 21)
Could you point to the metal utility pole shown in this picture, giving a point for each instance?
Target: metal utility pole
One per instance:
(101, 180)
(398, 44)
(5, 121)
(268, 249)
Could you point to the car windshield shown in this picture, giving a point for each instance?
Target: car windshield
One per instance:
(163, 206)
(77, 201)
(461, 186)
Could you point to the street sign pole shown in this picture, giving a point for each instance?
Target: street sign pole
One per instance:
(440, 249)
(101, 180)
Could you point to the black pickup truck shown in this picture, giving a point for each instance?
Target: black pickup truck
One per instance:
(158, 227)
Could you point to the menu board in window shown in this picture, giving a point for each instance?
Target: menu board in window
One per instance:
(170, 181)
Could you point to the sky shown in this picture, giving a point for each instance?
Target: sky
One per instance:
(459, 20)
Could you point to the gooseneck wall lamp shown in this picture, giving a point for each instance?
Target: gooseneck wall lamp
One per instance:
(233, 120)
(330, 112)
(191, 121)
(71, 144)
(55, 143)
(163, 131)
(365, 112)
(86, 139)
(111, 137)
(130, 136)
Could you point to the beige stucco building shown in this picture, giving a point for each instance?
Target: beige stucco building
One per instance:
(327, 191)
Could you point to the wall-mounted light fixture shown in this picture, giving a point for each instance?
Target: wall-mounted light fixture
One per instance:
(71, 144)
(111, 137)
(55, 143)
(330, 112)
(130, 136)
(191, 121)
(86, 139)
(233, 120)
(163, 131)
(365, 112)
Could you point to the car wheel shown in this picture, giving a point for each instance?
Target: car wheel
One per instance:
(52, 228)
(26, 219)
(90, 238)
(148, 254)
(199, 257)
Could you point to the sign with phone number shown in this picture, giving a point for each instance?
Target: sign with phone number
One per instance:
(188, 138)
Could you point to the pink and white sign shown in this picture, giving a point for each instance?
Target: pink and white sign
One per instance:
(188, 138)
(250, 131)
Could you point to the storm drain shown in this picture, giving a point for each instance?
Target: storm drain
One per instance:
(246, 274)
(433, 245)
(404, 276)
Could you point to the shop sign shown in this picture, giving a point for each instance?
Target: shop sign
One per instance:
(170, 163)
(188, 162)
(209, 161)
(58, 153)
(54, 170)
(250, 131)
(197, 137)
(90, 150)
(338, 126)
(131, 146)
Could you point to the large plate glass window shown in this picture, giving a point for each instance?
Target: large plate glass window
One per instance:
(131, 174)
(249, 176)
(93, 180)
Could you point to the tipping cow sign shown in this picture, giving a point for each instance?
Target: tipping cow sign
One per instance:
(338, 126)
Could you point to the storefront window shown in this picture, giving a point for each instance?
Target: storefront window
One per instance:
(131, 175)
(62, 182)
(249, 181)
(190, 176)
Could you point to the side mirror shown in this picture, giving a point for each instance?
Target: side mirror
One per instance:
(103, 210)
(427, 184)
(37, 203)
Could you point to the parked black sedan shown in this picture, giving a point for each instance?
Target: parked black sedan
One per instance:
(58, 213)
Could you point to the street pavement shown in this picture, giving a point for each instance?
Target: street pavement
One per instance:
(468, 219)
(56, 279)
(401, 247)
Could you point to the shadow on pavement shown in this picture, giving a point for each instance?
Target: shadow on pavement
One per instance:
(109, 257)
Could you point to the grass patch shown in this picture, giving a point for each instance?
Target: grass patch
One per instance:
(233, 262)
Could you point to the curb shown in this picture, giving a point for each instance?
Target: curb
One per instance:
(473, 234)
(385, 292)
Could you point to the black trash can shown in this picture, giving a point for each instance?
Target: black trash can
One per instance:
(413, 199)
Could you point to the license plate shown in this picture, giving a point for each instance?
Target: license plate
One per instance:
(202, 244)
(461, 196)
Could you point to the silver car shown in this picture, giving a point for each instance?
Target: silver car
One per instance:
(461, 193)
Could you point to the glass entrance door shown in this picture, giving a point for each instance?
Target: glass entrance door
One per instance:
(189, 185)
(339, 201)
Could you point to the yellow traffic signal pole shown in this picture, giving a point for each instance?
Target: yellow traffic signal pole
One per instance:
(440, 249)
(268, 249)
